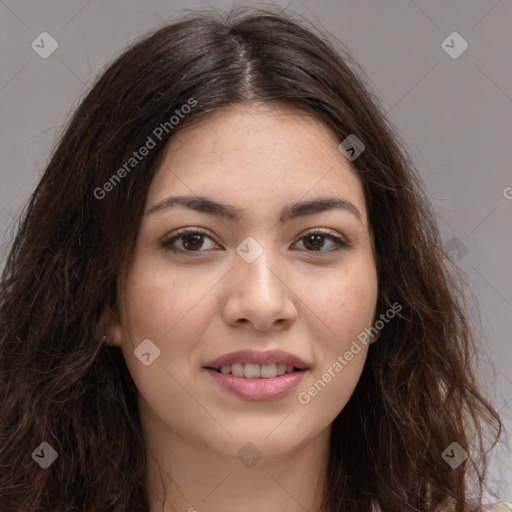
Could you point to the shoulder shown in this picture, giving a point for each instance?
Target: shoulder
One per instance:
(503, 506)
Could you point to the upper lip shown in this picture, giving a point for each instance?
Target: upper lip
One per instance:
(257, 357)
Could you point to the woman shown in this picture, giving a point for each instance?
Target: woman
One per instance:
(228, 292)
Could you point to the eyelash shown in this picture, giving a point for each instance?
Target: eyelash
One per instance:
(167, 244)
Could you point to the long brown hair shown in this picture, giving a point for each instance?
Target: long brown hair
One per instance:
(61, 384)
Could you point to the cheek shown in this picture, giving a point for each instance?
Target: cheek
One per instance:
(346, 310)
(172, 311)
(345, 303)
(155, 307)
(161, 302)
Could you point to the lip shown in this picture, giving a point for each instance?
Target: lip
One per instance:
(258, 389)
(257, 357)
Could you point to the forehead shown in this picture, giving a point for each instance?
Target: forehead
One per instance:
(248, 154)
(268, 131)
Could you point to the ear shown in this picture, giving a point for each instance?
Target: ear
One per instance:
(375, 338)
(377, 265)
(372, 243)
(110, 327)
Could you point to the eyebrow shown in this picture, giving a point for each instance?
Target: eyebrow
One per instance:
(289, 212)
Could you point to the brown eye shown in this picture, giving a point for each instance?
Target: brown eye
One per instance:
(191, 240)
(315, 241)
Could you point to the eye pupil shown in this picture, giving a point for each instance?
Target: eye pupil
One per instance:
(197, 239)
(315, 244)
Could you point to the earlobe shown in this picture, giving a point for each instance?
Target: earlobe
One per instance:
(109, 328)
(111, 338)
(375, 338)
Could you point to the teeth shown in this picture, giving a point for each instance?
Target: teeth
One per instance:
(268, 371)
(237, 370)
(255, 371)
(252, 371)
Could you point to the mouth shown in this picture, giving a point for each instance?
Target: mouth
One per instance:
(255, 375)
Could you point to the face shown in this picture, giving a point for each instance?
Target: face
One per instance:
(296, 290)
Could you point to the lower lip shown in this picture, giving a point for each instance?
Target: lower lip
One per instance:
(258, 389)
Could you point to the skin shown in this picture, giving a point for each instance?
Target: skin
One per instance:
(197, 307)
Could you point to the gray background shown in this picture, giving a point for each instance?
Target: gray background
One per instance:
(454, 114)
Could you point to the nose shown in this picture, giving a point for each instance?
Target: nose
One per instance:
(260, 294)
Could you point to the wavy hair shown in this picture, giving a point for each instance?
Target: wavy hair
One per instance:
(60, 383)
